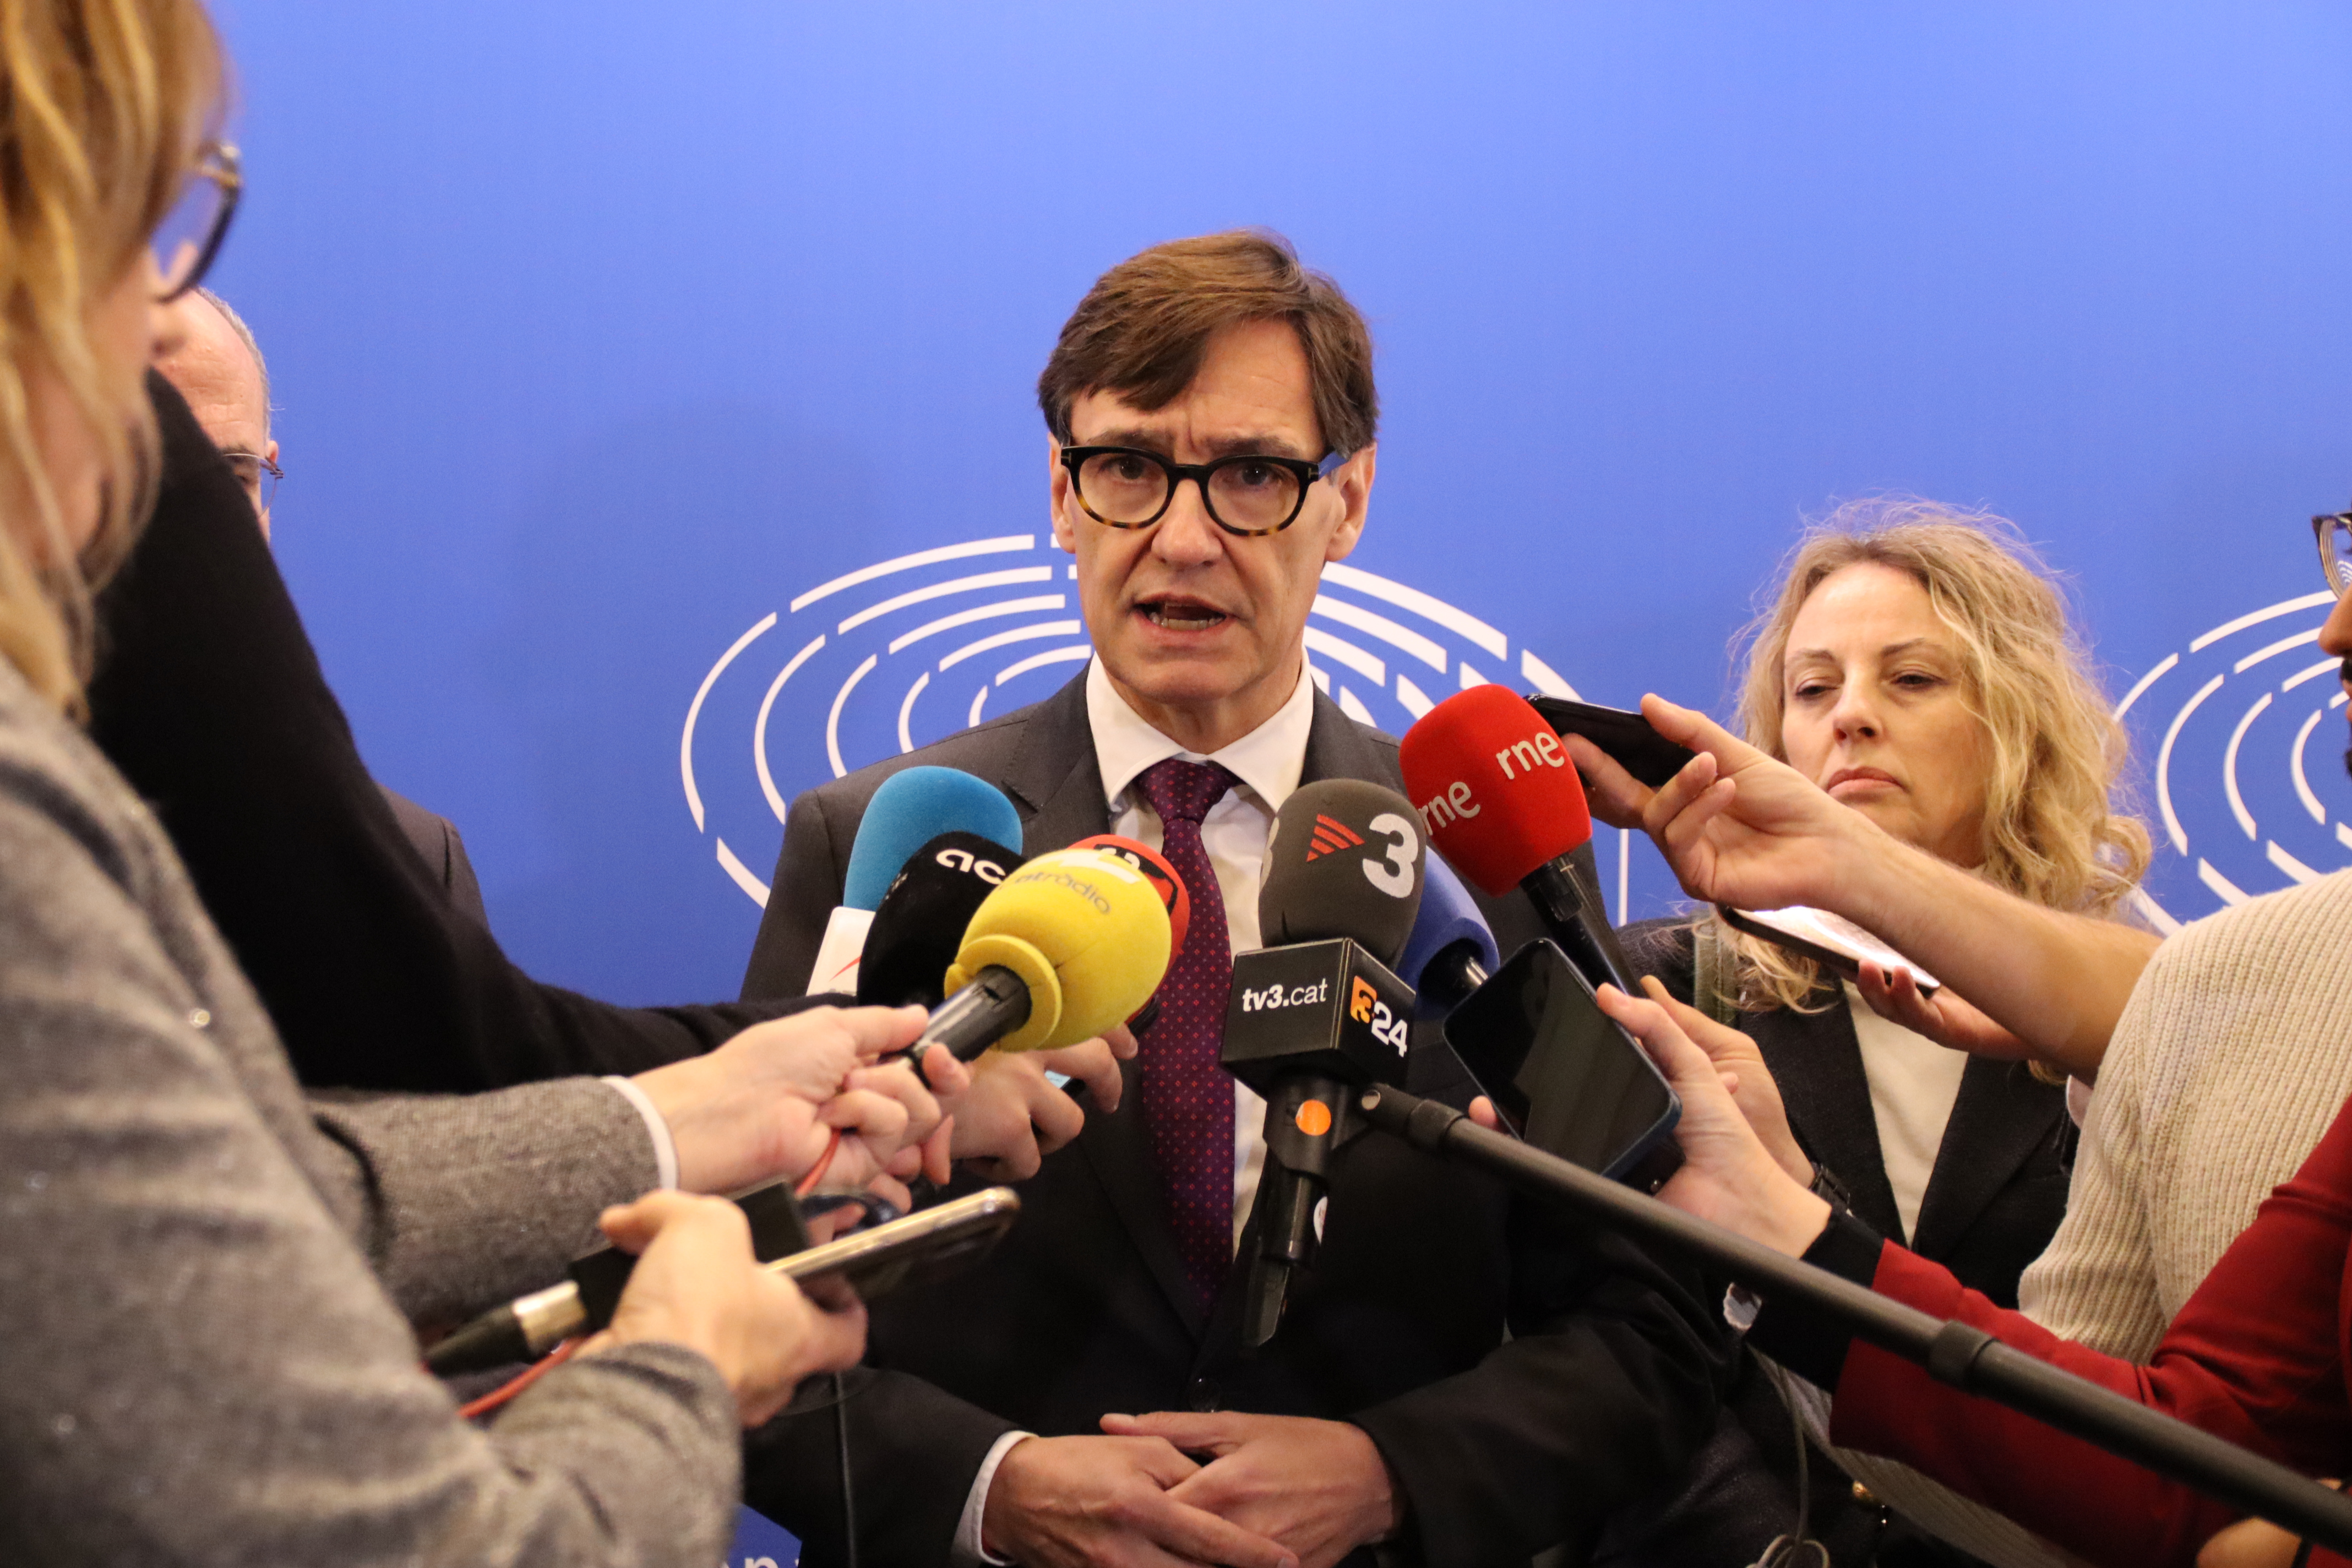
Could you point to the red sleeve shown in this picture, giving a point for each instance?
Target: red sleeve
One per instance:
(2254, 1357)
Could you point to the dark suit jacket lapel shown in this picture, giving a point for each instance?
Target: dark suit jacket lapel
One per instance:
(2000, 1118)
(1817, 1062)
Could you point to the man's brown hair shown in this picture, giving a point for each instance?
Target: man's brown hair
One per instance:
(1142, 328)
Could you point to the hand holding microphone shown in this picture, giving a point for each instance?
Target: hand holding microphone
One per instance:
(765, 1104)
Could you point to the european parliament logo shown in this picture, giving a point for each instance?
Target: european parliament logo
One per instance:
(2247, 727)
(906, 651)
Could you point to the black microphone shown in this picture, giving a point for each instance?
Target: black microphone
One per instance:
(918, 927)
(1317, 1014)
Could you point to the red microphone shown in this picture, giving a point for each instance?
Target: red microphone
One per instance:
(1173, 897)
(1501, 799)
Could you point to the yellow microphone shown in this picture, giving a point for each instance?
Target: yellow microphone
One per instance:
(1064, 949)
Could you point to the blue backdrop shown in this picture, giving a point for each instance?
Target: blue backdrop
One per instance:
(601, 332)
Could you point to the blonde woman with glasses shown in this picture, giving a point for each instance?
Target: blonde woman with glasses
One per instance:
(198, 1363)
(1931, 732)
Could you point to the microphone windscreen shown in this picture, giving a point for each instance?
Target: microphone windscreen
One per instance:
(1344, 859)
(1493, 787)
(908, 810)
(1448, 915)
(1174, 896)
(1085, 931)
(918, 927)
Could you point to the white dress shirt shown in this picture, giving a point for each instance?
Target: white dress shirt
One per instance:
(1268, 760)
(1913, 1083)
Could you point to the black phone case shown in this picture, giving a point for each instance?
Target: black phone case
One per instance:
(1625, 736)
(1652, 1155)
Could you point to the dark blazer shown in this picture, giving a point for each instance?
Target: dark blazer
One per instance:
(1502, 1448)
(435, 838)
(1994, 1201)
(209, 700)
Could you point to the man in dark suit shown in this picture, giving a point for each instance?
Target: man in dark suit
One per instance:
(1212, 410)
(218, 366)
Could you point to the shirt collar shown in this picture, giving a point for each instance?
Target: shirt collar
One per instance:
(1268, 759)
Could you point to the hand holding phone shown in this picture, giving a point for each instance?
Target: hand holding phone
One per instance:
(1562, 1074)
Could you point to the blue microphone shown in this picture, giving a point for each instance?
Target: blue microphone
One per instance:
(1451, 951)
(909, 810)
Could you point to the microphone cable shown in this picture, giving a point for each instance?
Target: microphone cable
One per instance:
(505, 1393)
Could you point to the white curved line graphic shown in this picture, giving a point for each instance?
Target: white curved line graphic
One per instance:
(2274, 649)
(2288, 863)
(982, 613)
(2229, 891)
(920, 558)
(2230, 766)
(1367, 665)
(742, 875)
(1039, 660)
(1006, 639)
(1373, 623)
(1544, 677)
(832, 719)
(907, 710)
(1320, 676)
(2145, 681)
(760, 730)
(942, 590)
(1471, 678)
(2164, 764)
(977, 698)
(2313, 672)
(2255, 618)
(2301, 784)
(694, 711)
(1353, 706)
(1456, 621)
(2156, 914)
(1416, 701)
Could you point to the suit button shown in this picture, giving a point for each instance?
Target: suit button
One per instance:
(1865, 1496)
(1202, 1394)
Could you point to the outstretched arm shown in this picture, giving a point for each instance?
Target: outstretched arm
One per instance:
(2252, 1358)
(1741, 828)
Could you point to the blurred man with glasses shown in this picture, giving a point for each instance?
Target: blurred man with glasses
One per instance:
(1084, 1396)
(218, 367)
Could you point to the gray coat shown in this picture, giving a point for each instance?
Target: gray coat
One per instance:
(204, 1277)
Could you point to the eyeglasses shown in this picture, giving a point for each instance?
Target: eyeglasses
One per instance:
(1248, 495)
(190, 235)
(256, 473)
(2335, 534)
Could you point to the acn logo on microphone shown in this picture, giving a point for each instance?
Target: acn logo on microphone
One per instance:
(964, 860)
(1331, 835)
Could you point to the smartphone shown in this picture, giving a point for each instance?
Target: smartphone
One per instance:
(1827, 939)
(925, 1246)
(1563, 1076)
(1623, 735)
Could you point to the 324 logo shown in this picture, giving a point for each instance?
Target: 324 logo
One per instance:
(903, 652)
(1365, 1006)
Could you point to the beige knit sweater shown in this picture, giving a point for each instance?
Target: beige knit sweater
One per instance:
(2230, 1062)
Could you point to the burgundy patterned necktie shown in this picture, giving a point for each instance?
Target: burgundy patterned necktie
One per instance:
(1188, 1099)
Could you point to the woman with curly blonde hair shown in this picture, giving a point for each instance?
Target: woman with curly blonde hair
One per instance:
(1916, 667)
